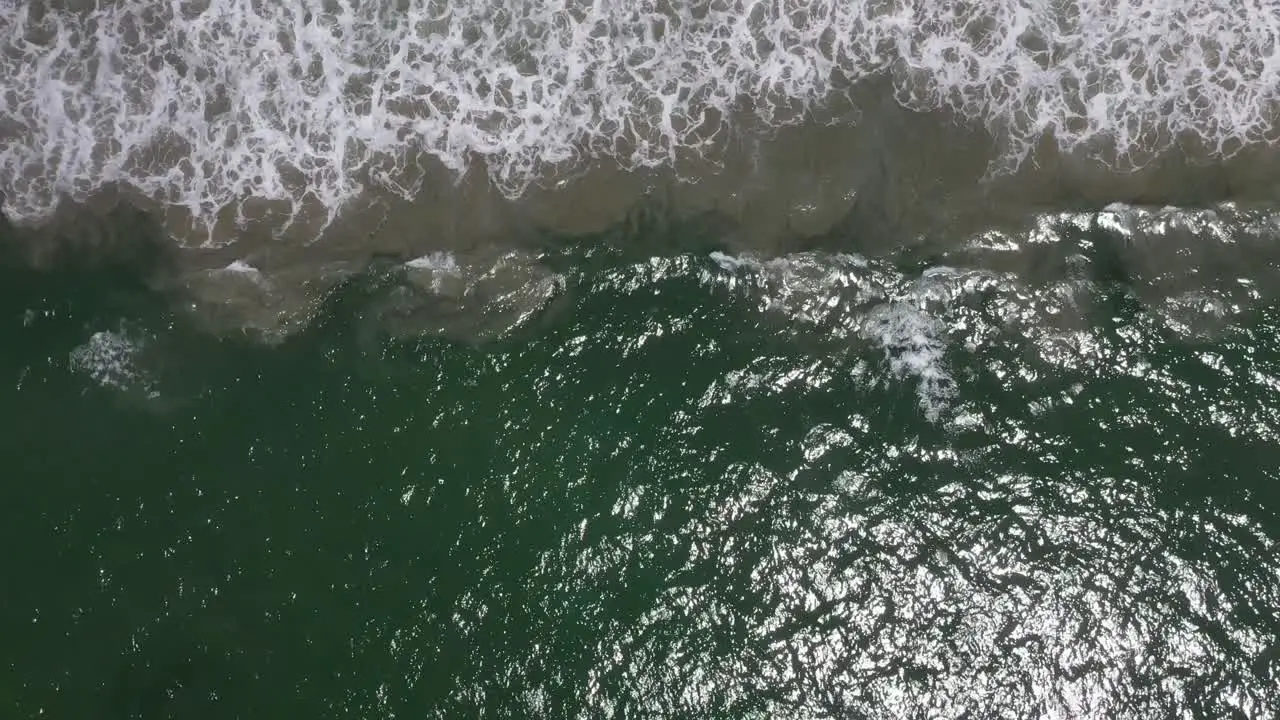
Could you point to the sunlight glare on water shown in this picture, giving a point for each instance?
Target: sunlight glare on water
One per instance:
(817, 485)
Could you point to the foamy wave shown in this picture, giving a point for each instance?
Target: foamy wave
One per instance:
(205, 104)
(110, 359)
(476, 297)
(1196, 273)
(908, 318)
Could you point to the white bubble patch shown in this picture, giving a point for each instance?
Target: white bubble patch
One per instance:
(110, 360)
(914, 346)
(205, 104)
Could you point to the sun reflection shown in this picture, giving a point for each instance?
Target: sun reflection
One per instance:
(1008, 542)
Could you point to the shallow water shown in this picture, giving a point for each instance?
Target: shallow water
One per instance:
(223, 115)
(684, 485)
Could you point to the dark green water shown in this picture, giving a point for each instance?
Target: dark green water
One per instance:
(688, 488)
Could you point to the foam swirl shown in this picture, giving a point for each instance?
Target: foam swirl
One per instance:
(206, 104)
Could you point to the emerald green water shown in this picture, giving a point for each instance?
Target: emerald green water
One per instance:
(686, 488)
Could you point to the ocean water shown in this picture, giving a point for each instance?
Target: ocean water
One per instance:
(656, 359)
(237, 112)
(817, 485)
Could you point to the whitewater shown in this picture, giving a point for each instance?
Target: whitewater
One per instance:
(211, 106)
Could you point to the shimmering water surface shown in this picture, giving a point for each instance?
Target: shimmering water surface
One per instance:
(812, 486)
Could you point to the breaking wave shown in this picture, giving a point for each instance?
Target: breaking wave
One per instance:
(214, 105)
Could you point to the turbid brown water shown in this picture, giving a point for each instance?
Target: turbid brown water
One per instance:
(898, 180)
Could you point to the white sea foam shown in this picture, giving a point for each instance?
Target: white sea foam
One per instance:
(206, 103)
(1055, 311)
(241, 267)
(906, 318)
(915, 346)
(478, 296)
(443, 271)
(440, 262)
(110, 359)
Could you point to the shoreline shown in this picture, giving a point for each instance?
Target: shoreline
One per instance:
(900, 180)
